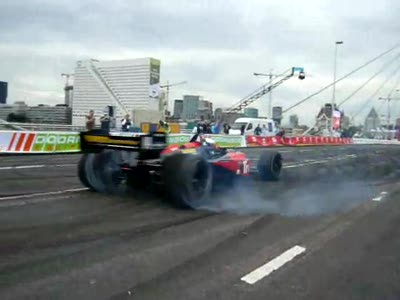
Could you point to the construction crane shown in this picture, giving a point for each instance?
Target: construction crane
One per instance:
(167, 86)
(67, 89)
(266, 88)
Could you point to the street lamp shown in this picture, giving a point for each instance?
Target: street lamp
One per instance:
(270, 76)
(334, 79)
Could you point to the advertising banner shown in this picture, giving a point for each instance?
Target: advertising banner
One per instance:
(38, 142)
(220, 139)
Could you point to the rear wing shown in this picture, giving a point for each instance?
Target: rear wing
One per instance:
(96, 140)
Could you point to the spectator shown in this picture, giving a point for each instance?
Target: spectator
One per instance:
(217, 127)
(105, 122)
(242, 128)
(226, 128)
(257, 130)
(90, 120)
(163, 127)
(264, 130)
(198, 129)
(208, 128)
(126, 123)
(281, 132)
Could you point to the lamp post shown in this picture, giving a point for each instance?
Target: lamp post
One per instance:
(334, 85)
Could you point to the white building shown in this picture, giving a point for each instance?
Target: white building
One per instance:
(130, 86)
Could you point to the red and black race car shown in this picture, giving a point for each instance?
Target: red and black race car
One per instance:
(185, 173)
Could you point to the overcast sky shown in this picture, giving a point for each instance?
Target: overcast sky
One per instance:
(214, 45)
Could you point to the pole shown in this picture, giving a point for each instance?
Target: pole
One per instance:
(270, 96)
(334, 83)
(165, 108)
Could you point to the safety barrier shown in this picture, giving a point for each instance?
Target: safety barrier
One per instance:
(39, 142)
(260, 141)
(69, 142)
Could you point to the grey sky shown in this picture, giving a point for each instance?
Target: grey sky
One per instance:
(214, 45)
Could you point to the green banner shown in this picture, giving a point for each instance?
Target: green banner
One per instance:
(56, 142)
(220, 140)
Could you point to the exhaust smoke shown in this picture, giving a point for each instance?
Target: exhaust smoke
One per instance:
(311, 190)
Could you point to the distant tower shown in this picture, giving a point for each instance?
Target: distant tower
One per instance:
(68, 90)
(3, 92)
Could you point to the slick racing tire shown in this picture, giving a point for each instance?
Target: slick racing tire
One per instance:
(188, 180)
(270, 166)
(83, 168)
(101, 171)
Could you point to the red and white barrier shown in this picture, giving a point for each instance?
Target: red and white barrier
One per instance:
(260, 141)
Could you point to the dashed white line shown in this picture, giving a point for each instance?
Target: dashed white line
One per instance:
(35, 166)
(29, 167)
(380, 197)
(42, 194)
(273, 265)
(6, 168)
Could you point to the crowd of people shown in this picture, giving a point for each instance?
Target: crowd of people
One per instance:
(211, 127)
(202, 127)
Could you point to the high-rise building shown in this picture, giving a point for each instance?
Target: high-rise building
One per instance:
(277, 114)
(372, 121)
(40, 114)
(251, 112)
(205, 110)
(190, 107)
(293, 121)
(178, 109)
(3, 92)
(218, 113)
(128, 85)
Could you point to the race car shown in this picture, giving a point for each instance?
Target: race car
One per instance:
(186, 174)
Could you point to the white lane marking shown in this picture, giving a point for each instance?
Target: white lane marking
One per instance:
(379, 198)
(6, 168)
(313, 162)
(42, 194)
(36, 166)
(273, 265)
(29, 167)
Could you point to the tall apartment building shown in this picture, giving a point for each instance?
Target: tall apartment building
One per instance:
(190, 107)
(131, 86)
(178, 108)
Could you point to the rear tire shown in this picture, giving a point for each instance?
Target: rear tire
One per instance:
(101, 172)
(270, 166)
(84, 162)
(188, 180)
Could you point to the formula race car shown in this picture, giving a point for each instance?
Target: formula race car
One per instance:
(186, 174)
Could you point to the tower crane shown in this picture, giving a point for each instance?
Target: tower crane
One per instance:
(264, 89)
(167, 86)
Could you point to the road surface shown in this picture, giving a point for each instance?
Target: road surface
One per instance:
(328, 230)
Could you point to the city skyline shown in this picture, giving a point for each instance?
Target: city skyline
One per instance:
(217, 57)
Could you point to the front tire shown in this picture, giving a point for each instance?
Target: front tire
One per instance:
(188, 180)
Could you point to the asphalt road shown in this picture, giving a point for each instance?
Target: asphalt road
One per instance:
(338, 207)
